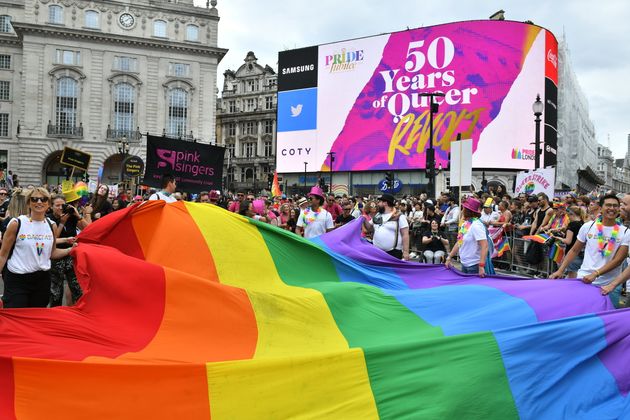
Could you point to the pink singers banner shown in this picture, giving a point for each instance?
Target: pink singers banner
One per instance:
(361, 98)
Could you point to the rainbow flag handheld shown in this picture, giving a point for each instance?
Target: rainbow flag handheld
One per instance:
(541, 238)
(275, 188)
(503, 247)
(193, 312)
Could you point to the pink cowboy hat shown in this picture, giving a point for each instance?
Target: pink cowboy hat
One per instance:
(473, 205)
(316, 191)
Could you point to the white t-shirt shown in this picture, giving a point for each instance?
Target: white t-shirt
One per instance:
(469, 249)
(315, 224)
(385, 233)
(593, 259)
(161, 196)
(33, 247)
(487, 218)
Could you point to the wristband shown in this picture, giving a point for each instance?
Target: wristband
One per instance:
(482, 264)
(597, 273)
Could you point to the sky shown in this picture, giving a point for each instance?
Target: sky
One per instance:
(596, 33)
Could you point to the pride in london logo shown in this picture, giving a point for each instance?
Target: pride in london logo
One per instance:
(344, 60)
(523, 154)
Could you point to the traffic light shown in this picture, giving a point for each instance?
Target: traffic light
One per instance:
(269, 181)
(389, 179)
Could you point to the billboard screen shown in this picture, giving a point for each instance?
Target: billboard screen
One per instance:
(362, 99)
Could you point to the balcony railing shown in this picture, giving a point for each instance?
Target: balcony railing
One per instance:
(186, 137)
(131, 136)
(64, 130)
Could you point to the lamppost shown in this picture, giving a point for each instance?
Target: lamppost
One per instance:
(331, 155)
(538, 108)
(430, 153)
(123, 149)
(305, 165)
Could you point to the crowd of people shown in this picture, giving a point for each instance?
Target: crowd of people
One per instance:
(573, 236)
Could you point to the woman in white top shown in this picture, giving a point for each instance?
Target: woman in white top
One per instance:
(27, 248)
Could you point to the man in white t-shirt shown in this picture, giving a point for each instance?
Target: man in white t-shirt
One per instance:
(488, 215)
(168, 188)
(314, 220)
(391, 229)
(605, 243)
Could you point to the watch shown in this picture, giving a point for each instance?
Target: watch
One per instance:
(126, 20)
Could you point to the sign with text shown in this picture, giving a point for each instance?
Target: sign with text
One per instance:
(534, 182)
(196, 166)
(366, 99)
(75, 158)
(133, 166)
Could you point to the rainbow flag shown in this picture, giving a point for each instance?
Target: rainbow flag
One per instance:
(193, 312)
(503, 247)
(556, 252)
(275, 188)
(541, 238)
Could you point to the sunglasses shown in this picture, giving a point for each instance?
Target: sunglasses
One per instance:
(39, 199)
(3, 193)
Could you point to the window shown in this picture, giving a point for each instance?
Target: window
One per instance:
(268, 149)
(55, 14)
(249, 149)
(124, 101)
(5, 62)
(122, 63)
(249, 127)
(250, 105)
(4, 125)
(269, 102)
(231, 129)
(5, 23)
(179, 69)
(159, 28)
(192, 33)
(252, 85)
(71, 58)
(271, 83)
(268, 127)
(177, 112)
(91, 19)
(5, 90)
(231, 148)
(232, 106)
(66, 105)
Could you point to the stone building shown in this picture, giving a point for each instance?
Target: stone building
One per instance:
(96, 75)
(246, 125)
(614, 172)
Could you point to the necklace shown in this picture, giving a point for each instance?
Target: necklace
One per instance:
(463, 229)
(606, 247)
(310, 215)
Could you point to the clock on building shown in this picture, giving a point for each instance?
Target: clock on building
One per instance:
(126, 20)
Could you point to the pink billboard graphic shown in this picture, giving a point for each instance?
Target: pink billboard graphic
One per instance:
(372, 115)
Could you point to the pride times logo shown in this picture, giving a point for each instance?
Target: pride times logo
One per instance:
(523, 154)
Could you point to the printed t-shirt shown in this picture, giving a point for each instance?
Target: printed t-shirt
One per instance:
(593, 258)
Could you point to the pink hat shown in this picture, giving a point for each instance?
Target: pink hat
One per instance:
(214, 195)
(259, 207)
(473, 205)
(316, 191)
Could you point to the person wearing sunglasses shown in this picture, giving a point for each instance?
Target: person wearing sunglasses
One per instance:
(27, 248)
(4, 203)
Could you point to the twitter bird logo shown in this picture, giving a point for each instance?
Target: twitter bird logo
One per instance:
(296, 110)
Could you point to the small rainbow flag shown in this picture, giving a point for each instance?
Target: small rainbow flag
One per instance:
(556, 253)
(541, 238)
(275, 188)
(503, 247)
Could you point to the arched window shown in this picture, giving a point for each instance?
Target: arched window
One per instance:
(159, 28)
(124, 109)
(55, 14)
(92, 19)
(192, 33)
(177, 112)
(5, 23)
(66, 106)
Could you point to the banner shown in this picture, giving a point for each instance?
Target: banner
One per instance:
(461, 163)
(196, 166)
(366, 99)
(534, 182)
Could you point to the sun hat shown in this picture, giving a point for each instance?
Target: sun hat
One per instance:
(473, 205)
(301, 201)
(71, 195)
(488, 203)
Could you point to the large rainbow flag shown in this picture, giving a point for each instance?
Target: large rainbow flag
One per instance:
(191, 312)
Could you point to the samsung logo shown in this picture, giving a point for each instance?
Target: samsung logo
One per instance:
(298, 69)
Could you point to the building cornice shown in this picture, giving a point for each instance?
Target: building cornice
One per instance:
(68, 33)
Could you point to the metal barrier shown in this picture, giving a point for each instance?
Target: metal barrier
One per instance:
(517, 261)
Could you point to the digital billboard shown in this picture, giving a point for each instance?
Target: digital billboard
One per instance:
(362, 99)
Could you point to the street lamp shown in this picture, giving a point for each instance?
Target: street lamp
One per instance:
(123, 149)
(537, 107)
(305, 165)
(331, 155)
(430, 154)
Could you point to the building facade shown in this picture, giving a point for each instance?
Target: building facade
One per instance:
(577, 145)
(246, 125)
(615, 172)
(97, 75)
